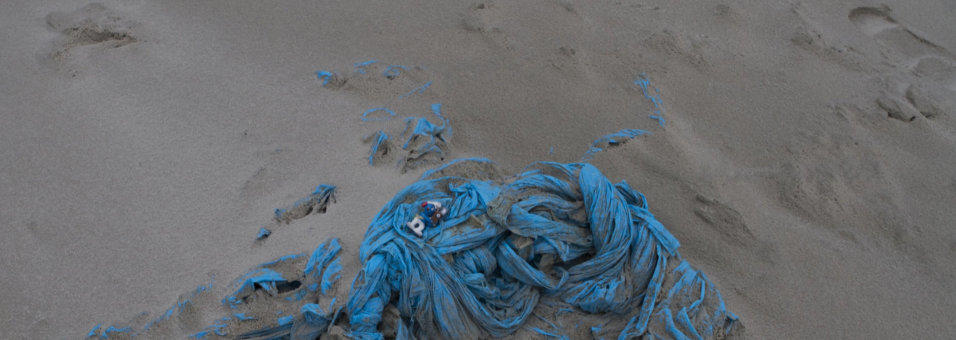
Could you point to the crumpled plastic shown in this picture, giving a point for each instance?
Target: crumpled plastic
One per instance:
(556, 232)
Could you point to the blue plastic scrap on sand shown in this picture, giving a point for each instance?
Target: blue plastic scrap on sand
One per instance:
(609, 140)
(654, 95)
(393, 71)
(360, 67)
(262, 278)
(423, 128)
(325, 76)
(556, 232)
(263, 233)
(316, 202)
(366, 118)
(379, 145)
(419, 90)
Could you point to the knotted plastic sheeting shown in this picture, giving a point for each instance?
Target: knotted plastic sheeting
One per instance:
(556, 232)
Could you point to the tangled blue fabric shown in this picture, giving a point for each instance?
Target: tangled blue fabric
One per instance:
(556, 232)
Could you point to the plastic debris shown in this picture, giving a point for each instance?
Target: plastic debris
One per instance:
(180, 306)
(212, 329)
(263, 233)
(288, 277)
(393, 71)
(366, 118)
(262, 278)
(311, 322)
(360, 67)
(323, 267)
(556, 232)
(112, 331)
(284, 320)
(610, 140)
(94, 331)
(325, 76)
(379, 147)
(317, 202)
(422, 138)
(419, 90)
(654, 95)
(281, 259)
(242, 317)
(432, 211)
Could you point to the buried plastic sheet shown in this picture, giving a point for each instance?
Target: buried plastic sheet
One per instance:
(554, 232)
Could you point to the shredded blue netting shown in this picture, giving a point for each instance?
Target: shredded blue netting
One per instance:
(557, 231)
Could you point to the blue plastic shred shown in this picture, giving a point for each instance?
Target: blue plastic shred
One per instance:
(263, 278)
(393, 71)
(93, 331)
(378, 145)
(316, 202)
(654, 95)
(283, 320)
(475, 274)
(114, 331)
(284, 258)
(418, 90)
(325, 76)
(422, 128)
(366, 118)
(242, 317)
(263, 233)
(609, 140)
(360, 67)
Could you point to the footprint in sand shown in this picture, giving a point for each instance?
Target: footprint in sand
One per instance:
(929, 69)
(877, 23)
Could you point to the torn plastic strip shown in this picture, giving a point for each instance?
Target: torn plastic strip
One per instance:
(419, 90)
(654, 96)
(366, 118)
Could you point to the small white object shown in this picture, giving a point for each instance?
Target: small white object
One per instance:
(417, 226)
(441, 211)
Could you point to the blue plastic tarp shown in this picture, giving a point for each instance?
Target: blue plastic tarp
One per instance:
(556, 231)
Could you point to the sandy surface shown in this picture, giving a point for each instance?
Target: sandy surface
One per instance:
(806, 164)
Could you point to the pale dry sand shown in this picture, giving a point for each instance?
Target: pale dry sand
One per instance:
(807, 163)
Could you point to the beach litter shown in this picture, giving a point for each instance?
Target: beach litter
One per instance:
(556, 233)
